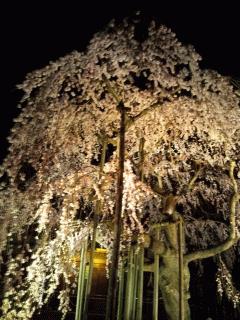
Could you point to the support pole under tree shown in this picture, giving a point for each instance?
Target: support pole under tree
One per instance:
(81, 280)
(181, 275)
(156, 282)
(112, 284)
(129, 286)
(94, 233)
(121, 292)
(140, 284)
(140, 280)
(135, 281)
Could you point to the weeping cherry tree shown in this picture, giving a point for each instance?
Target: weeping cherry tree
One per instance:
(130, 145)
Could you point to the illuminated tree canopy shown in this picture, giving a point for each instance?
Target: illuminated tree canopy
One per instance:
(188, 123)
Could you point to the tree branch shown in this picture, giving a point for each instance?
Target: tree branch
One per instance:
(132, 120)
(232, 239)
(194, 178)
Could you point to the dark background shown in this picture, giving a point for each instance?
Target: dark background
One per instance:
(35, 32)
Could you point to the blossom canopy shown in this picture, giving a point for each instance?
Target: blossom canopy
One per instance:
(187, 117)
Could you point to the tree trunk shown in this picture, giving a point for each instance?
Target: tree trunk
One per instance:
(112, 285)
(169, 286)
(174, 274)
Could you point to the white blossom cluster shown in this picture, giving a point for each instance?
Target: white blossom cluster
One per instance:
(226, 286)
(188, 117)
(137, 199)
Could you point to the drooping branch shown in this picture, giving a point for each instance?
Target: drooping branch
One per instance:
(232, 239)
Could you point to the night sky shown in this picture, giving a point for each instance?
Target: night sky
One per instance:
(34, 33)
